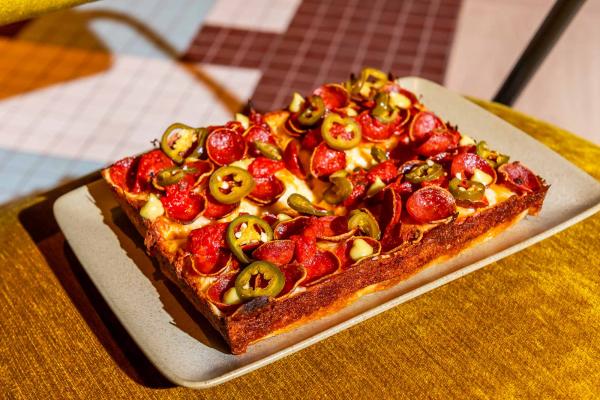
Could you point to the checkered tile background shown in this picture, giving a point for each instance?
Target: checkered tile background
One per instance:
(83, 87)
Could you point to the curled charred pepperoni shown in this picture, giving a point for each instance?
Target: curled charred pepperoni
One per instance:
(278, 252)
(294, 275)
(258, 133)
(122, 173)
(312, 139)
(445, 158)
(291, 158)
(333, 95)
(180, 202)
(225, 146)
(217, 291)
(208, 248)
(213, 209)
(262, 167)
(149, 165)
(372, 129)
(305, 247)
(360, 185)
(199, 169)
(323, 263)
(519, 177)
(291, 227)
(465, 164)
(266, 190)
(235, 126)
(386, 171)
(330, 227)
(325, 161)
(438, 142)
(431, 204)
(423, 125)
(391, 210)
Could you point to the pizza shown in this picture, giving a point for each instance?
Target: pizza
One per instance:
(277, 218)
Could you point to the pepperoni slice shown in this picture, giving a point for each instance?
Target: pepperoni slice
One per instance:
(208, 248)
(122, 172)
(332, 228)
(372, 129)
(292, 227)
(291, 159)
(360, 185)
(467, 163)
(519, 177)
(438, 142)
(213, 209)
(386, 171)
(235, 126)
(431, 204)
(325, 161)
(225, 146)
(149, 165)
(216, 291)
(258, 133)
(423, 125)
(267, 190)
(445, 158)
(278, 252)
(333, 95)
(391, 210)
(200, 170)
(312, 139)
(180, 202)
(294, 274)
(305, 247)
(262, 167)
(323, 263)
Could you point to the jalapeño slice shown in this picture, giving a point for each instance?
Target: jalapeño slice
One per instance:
(247, 230)
(199, 153)
(379, 154)
(178, 141)
(494, 158)
(261, 278)
(383, 110)
(363, 220)
(230, 184)
(466, 190)
(427, 171)
(312, 112)
(303, 205)
(340, 188)
(268, 150)
(341, 133)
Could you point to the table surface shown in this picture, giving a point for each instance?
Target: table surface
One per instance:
(526, 326)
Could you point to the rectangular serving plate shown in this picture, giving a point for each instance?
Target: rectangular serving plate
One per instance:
(181, 343)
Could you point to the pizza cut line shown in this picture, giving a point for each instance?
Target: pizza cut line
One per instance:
(274, 219)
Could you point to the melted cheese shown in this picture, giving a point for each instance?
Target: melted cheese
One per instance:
(359, 157)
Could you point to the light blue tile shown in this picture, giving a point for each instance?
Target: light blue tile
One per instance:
(24, 173)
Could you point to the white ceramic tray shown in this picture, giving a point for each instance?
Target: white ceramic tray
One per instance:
(180, 342)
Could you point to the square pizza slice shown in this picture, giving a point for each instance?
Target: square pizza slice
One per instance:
(274, 219)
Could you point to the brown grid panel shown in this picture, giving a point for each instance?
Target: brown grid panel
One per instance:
(326, 40)
(228, 46)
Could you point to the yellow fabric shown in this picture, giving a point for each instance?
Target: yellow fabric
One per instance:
(525, 327)
(18, 10)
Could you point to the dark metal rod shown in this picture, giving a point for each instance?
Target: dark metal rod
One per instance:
(543, 41)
